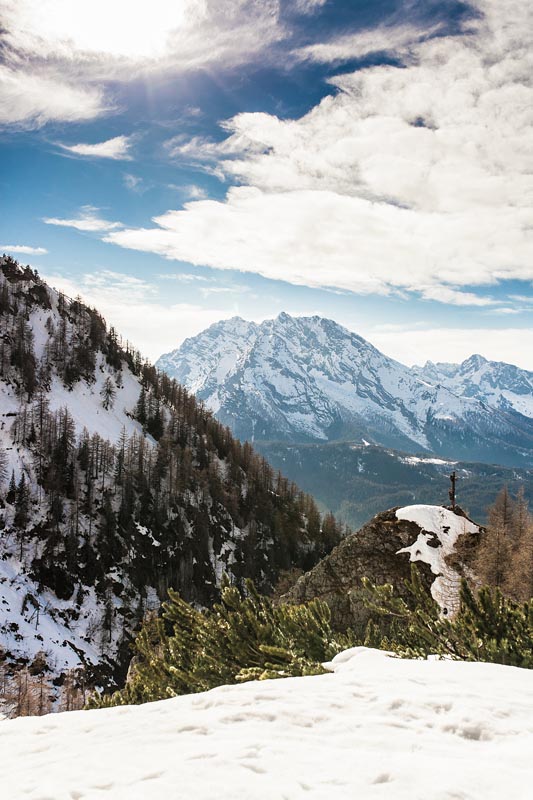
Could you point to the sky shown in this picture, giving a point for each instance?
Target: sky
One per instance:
(182, 161)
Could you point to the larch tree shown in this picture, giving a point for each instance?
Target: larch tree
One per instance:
(493, 558)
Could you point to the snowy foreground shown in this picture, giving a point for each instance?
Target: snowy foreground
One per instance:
(378, 727)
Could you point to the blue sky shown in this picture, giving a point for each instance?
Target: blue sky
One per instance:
(180, 162)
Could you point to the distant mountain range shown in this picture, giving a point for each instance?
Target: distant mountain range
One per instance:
(310, 380)
(493, 382)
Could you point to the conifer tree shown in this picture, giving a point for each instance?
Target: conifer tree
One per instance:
(493, 556)
(487, 626)
(244, 637)
(108, 393)
(140, 410)
(12, 490)
(22, 503)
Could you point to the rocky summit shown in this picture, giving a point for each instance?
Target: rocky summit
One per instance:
(436, 538)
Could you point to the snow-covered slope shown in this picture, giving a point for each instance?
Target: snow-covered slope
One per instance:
(114, 486)
(310, 379)
(378, 727)
(496, 383)
(33, 619)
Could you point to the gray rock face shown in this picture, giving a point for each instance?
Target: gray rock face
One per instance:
(372, 552)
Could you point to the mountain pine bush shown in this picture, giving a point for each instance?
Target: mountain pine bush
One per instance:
(244, 637)
(488, 626)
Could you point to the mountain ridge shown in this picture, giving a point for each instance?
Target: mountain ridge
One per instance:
(309, 379)
(499, 383)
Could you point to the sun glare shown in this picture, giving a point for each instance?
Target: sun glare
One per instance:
(121, 28)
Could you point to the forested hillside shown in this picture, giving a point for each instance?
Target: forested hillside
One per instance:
(116, 484)
(357, 481)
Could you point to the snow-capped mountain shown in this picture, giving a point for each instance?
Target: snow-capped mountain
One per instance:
(114, 486)
(496, 383)
(310, 379)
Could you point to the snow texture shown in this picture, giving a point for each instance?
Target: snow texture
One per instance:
(377, 727)
(440, 529)
(45, 624)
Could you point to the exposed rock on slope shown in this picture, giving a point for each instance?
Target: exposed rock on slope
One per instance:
(382, 551)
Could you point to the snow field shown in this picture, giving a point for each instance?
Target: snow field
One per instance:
(378, 727)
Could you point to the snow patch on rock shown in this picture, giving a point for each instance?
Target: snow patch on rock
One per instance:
(440, 529)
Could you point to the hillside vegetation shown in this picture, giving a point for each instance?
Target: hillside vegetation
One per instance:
(115, 485)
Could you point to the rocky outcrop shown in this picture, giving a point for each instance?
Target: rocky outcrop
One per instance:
(382, 550)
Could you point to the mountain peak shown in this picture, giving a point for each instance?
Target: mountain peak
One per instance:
(474, 361)
(317, 381)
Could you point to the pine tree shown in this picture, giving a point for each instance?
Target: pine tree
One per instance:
(12, 490)
(108, 393)
(140, 409)
(22, 503)
(244, 637)
(487, 626)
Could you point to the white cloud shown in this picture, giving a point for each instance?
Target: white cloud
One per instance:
(409, 178)
(327, 239)
(23, 249)
(195, 192)
(32, 98)
(134, 183)
(184, 277)
(365, 43)
(60, 56)
(118, 285)
(309, 6)
(88, 220)
(191, 190)
(418, 345)
(235, 289)
(445, 294)
(118, 29)
(97, 40)
(117, 148)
